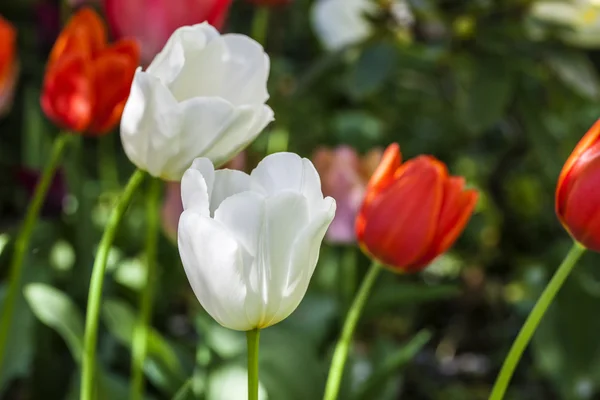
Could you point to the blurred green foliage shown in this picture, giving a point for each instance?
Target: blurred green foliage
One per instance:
(484, 85)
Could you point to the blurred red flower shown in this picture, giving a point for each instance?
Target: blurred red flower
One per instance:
(87, 81)
(152, 22)
(9, 65)
(578, 191)
(344, 176)
(412, 212)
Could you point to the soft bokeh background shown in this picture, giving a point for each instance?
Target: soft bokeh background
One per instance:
(500, 90)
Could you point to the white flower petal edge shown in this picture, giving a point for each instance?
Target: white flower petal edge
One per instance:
(250, 243)
(203, 96)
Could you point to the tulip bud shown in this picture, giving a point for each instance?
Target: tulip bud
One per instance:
(203, 96)
(577, 192)
(152, 22)
(250, 243)
(9, 66)
(87, 81)
(412, 212)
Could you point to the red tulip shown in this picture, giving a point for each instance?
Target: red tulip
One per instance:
(152, 22)
(578, 191)
(9, 66)
(87, 81)
(412, 212)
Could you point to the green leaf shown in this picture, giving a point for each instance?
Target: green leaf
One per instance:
(57, 310)
(390, 367)
(576, 71)
(163, 366)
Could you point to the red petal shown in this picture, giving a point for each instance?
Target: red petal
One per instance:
(565, 180)
(400, 223)
(67, 95)
(581, 212)
(113, 72)
(457, 208)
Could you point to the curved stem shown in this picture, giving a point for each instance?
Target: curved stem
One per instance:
(340, 354)
(23, 237)
(533, 320)
(96, 283)
(142, 329)
(252, 338)
(260, 24)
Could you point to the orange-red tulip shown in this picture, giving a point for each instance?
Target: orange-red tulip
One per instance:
(9, 65)
(578, 191)
(87, 81)
(412, 212)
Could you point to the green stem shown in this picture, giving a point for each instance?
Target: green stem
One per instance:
(96, 283)
(260, 24)
(107, 163)
(23, 237)
(533, 320)
(142, 329)
(343, 346)
(252, 338)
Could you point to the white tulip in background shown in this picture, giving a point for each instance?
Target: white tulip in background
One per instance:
(250, 243)
(203, 96)
(339, 23)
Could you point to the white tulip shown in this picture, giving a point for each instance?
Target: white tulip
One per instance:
(250, 243)
(339, 23)
(202, 96)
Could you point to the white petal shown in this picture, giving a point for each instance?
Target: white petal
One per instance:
(213, 263)
(288, 172)
(196, 186)
(167, 64)
(304, 257)
(285, 217)
(204, 123)
(250, 121)
(150, 117)
(233, 67)
(228, 182)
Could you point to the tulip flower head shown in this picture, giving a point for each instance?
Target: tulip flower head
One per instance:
(203, 96)
(250, 243)
(578, 191)
(152, 22)
(344, 175)
(9, 66)
(412, 212)
(87, 81)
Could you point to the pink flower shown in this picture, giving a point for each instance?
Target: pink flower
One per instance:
(172, 205)
(151, 22)
(344, 176)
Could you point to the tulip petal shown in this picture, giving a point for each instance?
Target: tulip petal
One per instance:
(227, 183)
(304, 256)
(196, 186)
(457, 208)
(213, 263)
(233, 67)
(400, 223)
(150, 120)
(282, 172)
(286, 215)
(184, 42)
